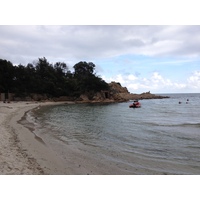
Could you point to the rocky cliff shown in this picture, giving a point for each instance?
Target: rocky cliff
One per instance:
(117, 93)
(122, 94)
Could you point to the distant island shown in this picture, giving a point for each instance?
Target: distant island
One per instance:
(43, 81)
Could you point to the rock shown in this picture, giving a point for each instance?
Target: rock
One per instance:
(84, 97)
(117, 88)
(116, 93)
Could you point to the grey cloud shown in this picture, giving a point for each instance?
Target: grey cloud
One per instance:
(25, 43)
(134, 43)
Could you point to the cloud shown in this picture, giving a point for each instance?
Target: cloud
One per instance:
(194, 80)
(156, 83)
(93, 42)
(130, 53)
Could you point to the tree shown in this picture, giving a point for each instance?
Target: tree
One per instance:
(54, 80)
(86, 80)
(45, 77)
(83, 69)
(6, 76)
(62, 79)
(60, 68)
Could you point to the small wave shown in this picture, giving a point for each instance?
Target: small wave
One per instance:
(193, 147)
(174, 124)
(191, 124)
(30, 122)
(185, 138)
(30, 117)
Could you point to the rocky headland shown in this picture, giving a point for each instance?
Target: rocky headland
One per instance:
(117, 93)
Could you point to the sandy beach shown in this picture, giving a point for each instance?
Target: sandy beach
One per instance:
(21, 152)
(24, 153)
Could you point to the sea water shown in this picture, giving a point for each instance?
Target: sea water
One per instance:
(161, 137)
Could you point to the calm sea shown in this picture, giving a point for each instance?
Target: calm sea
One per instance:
(161, 137)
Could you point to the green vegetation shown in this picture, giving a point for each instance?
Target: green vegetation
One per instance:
(53, 80)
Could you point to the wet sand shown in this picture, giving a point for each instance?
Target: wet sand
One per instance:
(21, 152)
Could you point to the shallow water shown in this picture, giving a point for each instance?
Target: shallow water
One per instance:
(161, 137)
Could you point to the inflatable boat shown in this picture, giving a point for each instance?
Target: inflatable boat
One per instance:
(135, 104)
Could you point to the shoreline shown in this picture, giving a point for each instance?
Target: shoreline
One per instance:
(21, 151)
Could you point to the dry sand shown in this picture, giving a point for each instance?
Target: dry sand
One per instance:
(21, 152)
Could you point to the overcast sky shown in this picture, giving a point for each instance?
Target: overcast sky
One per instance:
(160, 59)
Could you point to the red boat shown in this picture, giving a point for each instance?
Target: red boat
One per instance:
(135, 104)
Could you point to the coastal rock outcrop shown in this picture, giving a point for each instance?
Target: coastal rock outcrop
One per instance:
(117, 93)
